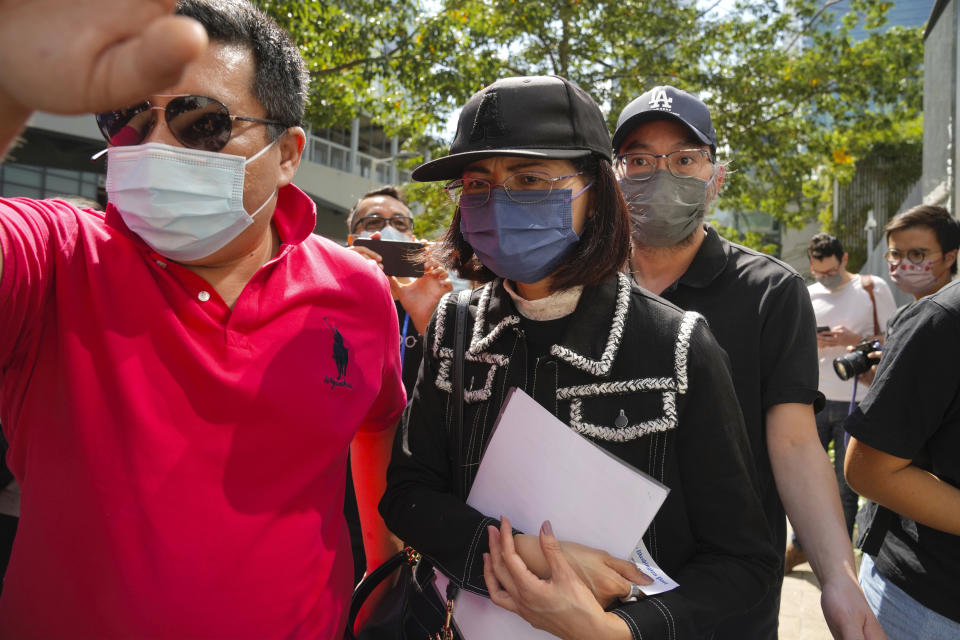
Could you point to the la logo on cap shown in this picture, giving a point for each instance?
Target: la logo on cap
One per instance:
(659, 100)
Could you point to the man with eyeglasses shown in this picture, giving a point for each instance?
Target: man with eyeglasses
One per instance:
(904, 450)
(922, 245)
(759, 311)
(849, 308)
(184, 374)
(383, 214)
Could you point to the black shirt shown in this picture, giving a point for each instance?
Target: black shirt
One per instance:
(912, 411)
(759, 310)
(411, 349)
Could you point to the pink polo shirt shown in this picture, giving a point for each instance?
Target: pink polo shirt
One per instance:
(182, 464)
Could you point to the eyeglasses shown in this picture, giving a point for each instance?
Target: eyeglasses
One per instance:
(197, 122)
(915, 256)
(683, 163)
(403, 224)
(528, 187)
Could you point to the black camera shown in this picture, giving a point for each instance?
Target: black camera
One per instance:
(856, 362)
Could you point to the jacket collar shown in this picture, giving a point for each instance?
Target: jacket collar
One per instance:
(591, 339)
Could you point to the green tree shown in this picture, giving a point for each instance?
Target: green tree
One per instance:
(796, 101)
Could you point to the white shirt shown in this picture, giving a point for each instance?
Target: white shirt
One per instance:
(848, 306)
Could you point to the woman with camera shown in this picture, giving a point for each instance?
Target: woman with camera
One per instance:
(540, 219)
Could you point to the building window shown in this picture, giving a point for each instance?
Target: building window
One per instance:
(22, 180)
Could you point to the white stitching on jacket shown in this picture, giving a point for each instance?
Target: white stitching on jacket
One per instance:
(634, 629)
(668, 616)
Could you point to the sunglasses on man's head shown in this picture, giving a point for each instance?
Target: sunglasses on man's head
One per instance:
(197, 122)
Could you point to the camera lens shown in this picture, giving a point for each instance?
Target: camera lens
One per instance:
(851, 364)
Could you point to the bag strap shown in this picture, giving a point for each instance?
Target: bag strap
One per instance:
(371, 581)
(459, 349)
(867, 283)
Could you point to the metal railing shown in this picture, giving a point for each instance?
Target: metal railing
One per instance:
(337, 156)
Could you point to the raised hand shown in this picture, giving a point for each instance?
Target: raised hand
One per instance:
(77, 56)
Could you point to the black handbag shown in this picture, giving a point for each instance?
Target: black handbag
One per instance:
(413, 610)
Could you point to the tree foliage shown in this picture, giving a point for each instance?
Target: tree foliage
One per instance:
(796, 99)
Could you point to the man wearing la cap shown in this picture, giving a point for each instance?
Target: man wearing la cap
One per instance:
(760, 312)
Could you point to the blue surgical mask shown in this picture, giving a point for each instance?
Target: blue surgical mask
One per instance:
(521, 242)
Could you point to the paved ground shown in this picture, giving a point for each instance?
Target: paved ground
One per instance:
(800, 614)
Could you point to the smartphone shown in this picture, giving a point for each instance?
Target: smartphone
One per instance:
(399, 258)
(823, 329)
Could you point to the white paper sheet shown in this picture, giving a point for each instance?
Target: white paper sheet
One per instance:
(536, 468)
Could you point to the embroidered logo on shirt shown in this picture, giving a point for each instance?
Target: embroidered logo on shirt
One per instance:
(341, 356)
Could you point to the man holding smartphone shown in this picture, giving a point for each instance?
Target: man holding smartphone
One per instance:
(382, 214)
(849, 308)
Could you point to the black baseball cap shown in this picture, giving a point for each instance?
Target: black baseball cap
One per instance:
(529, 116)
(666, 102)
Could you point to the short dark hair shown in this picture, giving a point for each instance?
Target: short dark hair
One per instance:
(280, 80)
(389, 190)
(938, 219)
(824, 245)
(604, 243)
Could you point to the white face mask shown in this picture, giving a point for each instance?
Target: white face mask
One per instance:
(185, 203)
(388, 233)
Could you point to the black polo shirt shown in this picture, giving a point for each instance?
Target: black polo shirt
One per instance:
(912, 411)
(759, 311)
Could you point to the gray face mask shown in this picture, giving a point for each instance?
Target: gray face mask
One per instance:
(665, 209)
(831, 282)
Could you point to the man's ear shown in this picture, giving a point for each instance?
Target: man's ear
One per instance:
(950, 257)
(291, 144)
(720, 173)
(843, 261)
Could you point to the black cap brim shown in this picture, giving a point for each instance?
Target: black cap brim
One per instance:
(632, 123)
(451, 167)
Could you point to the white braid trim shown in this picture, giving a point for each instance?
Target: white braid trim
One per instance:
(602, 366)
(682, 348)
(616, 388)
(631, 432)
(441, 323)
(444, 380)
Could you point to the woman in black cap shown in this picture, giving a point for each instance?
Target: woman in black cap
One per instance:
(540, 219)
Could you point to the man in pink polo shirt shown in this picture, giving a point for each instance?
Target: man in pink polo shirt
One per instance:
(182, 375)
